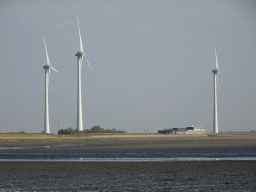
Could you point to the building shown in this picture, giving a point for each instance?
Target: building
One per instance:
(187, 130)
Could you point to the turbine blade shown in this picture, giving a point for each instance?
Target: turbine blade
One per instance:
(220, 78)
(81, 44)
(87, 62)
(49, 72)
(217, 64)
(54, 69)
(48, 61)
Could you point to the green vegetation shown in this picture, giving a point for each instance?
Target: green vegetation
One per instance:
(94, 129)
(99, 134)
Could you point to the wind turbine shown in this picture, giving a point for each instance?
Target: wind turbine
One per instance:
(216, 72)
(47, 68)
(80, 55)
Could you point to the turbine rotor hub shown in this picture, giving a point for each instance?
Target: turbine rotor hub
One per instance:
(46, 66)
(79, 54)
(215, 70)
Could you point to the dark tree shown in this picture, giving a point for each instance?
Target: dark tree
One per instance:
(94, 129)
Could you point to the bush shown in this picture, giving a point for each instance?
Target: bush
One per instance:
(94, 129)
(67, 131)
(22, 132)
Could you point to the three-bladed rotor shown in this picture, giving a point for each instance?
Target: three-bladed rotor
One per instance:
(81, 53)
(216, 70)
(48, 65)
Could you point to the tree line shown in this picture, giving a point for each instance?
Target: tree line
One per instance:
(94, 129)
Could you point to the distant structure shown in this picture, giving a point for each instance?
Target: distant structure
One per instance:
(47, 68)
(187, 130)
(80, 55)
(216, 72)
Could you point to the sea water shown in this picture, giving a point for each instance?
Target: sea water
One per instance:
(227, 180)
(128, 155)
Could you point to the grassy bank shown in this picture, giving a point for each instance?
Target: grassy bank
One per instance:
(128, 141)
(116, 136)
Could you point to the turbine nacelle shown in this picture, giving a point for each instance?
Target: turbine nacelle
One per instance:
(216, 71)
(80, 54)
(47, 66)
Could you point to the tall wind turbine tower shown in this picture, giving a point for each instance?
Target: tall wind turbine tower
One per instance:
(216, 72)
(47, 68)
(80, 55)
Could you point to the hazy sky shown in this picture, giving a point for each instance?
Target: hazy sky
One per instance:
(151, 60)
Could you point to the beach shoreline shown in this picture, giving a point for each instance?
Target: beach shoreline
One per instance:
(155, 141)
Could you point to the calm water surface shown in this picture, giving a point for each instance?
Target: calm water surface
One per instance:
(130, 155)
(231, 180)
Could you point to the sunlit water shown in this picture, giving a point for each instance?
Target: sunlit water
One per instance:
(124, 155)
(136, 159)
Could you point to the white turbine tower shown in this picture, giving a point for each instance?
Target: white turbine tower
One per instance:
(80, 55)
(216, 72)
(47, 68)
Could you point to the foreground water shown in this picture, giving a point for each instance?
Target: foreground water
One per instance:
(127, 169)
(132, 155)
(128, 176)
